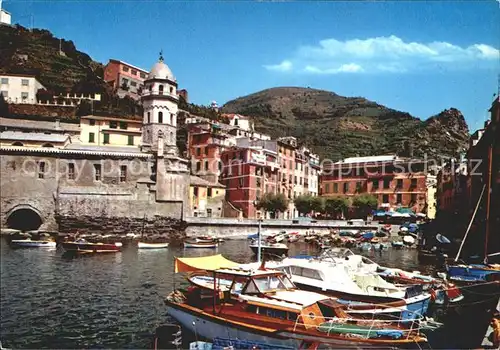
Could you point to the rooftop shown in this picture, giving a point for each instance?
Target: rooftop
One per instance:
(123, 149)
(128, 64)
(370, 159)
(110, 151)
(198, 181)
(37, 125)
(32, 136)
(137, 118)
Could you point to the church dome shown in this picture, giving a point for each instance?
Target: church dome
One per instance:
(161, 71)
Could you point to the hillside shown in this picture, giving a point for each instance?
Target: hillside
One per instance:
(337, 127)
(60, 67)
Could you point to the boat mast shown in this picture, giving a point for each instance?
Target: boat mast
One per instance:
(259, 244)
(488, 202)
(470, 224)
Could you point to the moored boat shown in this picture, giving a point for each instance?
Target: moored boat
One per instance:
(195, 244)
(28, 243)
(84, 247)
(269, 249)
(269, 309)
(152, 245)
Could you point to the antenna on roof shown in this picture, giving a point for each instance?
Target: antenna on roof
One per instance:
(161, 56)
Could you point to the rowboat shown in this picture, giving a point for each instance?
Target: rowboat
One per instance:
(28, 243)
(83, 247)
(145, 245)
(194, 244)
(271, 249)
(270, 309)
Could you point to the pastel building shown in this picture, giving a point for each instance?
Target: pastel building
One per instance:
(124, 77)
(206, 198)
(109, 131)
(19, 88)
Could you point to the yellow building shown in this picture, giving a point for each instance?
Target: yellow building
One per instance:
(109, 131)
(206, 198)
(431, 184)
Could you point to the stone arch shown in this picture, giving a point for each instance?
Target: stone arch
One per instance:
(47, 144)
(17, 143)
(24, 217)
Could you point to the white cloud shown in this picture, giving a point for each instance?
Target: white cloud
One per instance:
(384, 54)
(345, 68)
(284, 66)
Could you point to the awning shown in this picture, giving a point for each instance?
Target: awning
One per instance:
(207, 263)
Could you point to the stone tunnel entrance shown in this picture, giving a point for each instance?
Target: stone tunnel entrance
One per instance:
(24, 219)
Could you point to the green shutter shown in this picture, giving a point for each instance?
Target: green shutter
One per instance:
(106, 139)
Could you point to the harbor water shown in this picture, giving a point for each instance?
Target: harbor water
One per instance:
(109, 301)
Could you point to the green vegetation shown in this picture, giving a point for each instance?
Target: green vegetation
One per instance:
(336, 207)
(337, 127)
(364, 204)
(273, 203)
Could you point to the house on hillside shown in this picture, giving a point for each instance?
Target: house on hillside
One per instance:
(19, 88)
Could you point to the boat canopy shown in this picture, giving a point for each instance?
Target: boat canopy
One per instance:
(207, 263)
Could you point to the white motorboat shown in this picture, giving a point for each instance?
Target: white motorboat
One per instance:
(28, 243)
(146, 245)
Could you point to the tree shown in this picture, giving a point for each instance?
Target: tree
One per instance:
(364, 204)
(273, 203)
(318, 204)
(303, 204)
(336, 206)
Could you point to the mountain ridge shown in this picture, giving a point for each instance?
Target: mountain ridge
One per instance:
(337, 127)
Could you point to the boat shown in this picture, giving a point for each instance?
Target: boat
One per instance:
(269, 249)
(82, 246)
(397, 244)
(354, 288)
(293, 237)
(28, 243)
(151, 245)
(194, 244)
(409, 240)
(264, 305)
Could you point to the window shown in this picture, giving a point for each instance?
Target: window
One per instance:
(113, 124)
(123, 125)
(125, 82)
(133, 72)
(236, 121)
(160, 117)
(97, 172)
(305, 272)
(295, 180)
(413, 198)
(413, 183)
(198, 166)
(385, 198)
(359, 186)
(71, 171)
(171, 90)
(335, 188)
(149, 117)
(123, 173)
(195, 191)
(106, 139)
(291, 165)
(206, 151)
(92, 122)
(160, 89)
(375, 184)
(387, 183)
(209, 192)
(5, 94)
(143, 76)
(206, 165)
(24, 95)
(91, 137)
(41, 170)
(198, 151)
(399, 198)
(399, 184)
(25, 82)
(133, 83)
(130, 140)
(209, 212)
(240, 182)
(5, 81)
(346, 187)
(125, 69)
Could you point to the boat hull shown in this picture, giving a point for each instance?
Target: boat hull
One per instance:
(471, 273)
(144, 245)
(209, 327)
(211, 245)
(270, 250)
(76, 247)
(24, 243)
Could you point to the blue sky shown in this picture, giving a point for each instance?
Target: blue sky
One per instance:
(415, 56)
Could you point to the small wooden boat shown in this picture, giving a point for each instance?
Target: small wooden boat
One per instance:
(83, 247)
(150, 245)
(28, 243)
(194, 244)
(271, 249)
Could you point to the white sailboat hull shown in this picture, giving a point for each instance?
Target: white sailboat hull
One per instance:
(143, 245)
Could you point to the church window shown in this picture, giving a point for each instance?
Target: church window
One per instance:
(123, 173)
(71, 171)
(97, 172)
(172, 140)
(171, 90)
(149, 117)
(160, 117)
(160, 89)
(41, 170)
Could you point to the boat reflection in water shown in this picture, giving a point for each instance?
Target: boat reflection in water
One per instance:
(227, 300)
